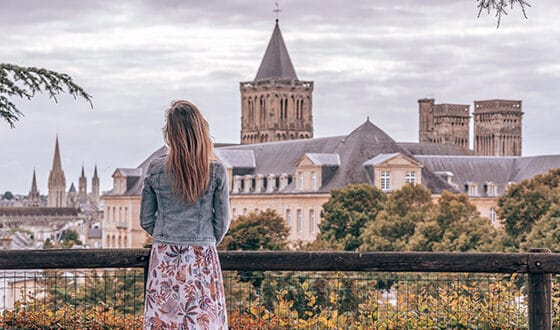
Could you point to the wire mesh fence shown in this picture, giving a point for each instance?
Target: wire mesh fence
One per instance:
(113, 299)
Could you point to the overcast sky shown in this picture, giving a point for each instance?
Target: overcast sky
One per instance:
(366, 58)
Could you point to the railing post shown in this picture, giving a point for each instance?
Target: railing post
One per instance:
(540, 299)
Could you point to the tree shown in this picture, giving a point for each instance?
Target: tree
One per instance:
(500, 7)
(8, 195)
(525, 203)
(25, 82)
(265, 230)
(70, 238)
(545, 233)
(346, 214)
(396, 223)
(454, 226)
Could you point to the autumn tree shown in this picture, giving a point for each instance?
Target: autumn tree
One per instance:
(396, 223)
(347, 212)
(525, 203)
(545, 233)
(26, 82)
(454, 225)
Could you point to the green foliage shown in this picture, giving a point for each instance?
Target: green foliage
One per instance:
(70, 238)
(121, 289)
(423, 304)
(347, 212)
(394, 225)
(545, 232)
(525, 203)
(454, 225)
(265, 230)
(8, 195)
(25, 82)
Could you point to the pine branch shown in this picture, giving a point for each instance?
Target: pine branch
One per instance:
(500, 6)
(25, 82)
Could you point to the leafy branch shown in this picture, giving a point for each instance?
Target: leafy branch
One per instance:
(25, 82)
(500, 6)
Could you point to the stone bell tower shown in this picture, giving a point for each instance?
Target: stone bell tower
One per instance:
(276, 105)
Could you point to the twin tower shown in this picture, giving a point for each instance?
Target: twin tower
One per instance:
(277, 106)
(497, 125)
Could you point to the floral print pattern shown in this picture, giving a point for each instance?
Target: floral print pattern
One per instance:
(185, 289)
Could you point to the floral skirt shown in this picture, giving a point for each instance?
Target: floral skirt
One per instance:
(185, 289)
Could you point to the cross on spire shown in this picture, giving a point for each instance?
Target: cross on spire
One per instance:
(276, 9)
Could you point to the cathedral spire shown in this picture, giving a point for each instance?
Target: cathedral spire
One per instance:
(57, 181)
(57, 165)
(95, 186)
(33, 199)
(276, 62)
(82, 185)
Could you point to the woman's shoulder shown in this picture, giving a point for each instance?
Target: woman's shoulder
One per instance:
(157, 165)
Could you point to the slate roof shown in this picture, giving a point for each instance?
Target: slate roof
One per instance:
(369, 144)
(94, 233)
(276, 62)
(380, 159)
(236, 158)
(38, 211)
(483, 169)
(324, 159)
(426, 148)
(364, 143)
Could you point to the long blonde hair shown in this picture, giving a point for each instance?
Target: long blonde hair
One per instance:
(190, 150)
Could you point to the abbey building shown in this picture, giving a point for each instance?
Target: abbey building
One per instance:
(279, 163)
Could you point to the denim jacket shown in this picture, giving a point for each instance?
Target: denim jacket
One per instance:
(172, 221)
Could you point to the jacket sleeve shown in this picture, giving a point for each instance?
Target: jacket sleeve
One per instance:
(222, 217)
(148, 206)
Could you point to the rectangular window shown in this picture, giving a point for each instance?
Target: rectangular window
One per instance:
(386, 180)
(493, 219)
(289, 218)
(300, 181)
(473, 190)
(311, 221)
(299, 221)
(313, 181)
(410, 177)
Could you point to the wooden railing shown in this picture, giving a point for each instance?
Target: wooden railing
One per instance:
(539, 264)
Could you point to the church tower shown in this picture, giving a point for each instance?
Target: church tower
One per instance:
(34, 199)
(497, 128)
(82, 186)
(276, 105)
(444, 123)
(57, 181)
(95, 187)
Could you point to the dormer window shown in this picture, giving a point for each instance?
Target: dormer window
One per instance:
(386, 180)
(410, 177)
(491, 189)
(472, 189)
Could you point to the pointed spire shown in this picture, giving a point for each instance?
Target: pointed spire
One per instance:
(95, 171)
(34, 183)
(57, 165)
(276, 62)
(34, 199)
(83, 175)
(72, 188)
